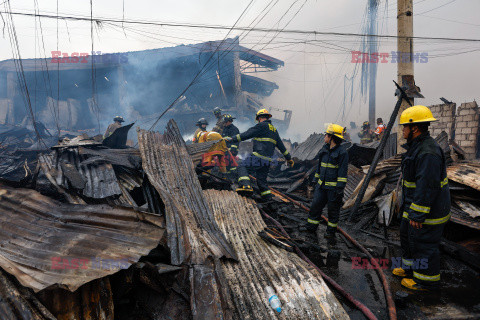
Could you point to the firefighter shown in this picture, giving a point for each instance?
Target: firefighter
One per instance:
(425, 201)
(202, 127)
(366, 134)
(117, 123)
(265, 139)
(380, 129)
(215, 155)
(346, 135)
(329, 181)
(230, 130)
(220, 121)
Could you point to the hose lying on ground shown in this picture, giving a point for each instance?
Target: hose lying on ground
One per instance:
(386, 288)
(363, 308)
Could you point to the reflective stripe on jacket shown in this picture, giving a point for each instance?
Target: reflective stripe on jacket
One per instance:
(332, 167)
(365, 136)
(265, 139)
(426, 194)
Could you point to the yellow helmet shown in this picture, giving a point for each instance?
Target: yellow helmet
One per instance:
(263, 112)
(416, 114)
(336, 130)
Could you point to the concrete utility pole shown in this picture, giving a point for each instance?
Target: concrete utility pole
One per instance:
(372, 67)
(405, 51)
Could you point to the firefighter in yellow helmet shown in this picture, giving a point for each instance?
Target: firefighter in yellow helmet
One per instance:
(265, 140)
(425, 202)
(329, 181)
(366, 134)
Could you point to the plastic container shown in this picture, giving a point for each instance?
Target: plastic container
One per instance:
(273, 299)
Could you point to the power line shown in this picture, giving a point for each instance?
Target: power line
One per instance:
(201, 70)
(220, 27)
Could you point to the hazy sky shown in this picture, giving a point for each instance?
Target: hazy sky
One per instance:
(312, 81)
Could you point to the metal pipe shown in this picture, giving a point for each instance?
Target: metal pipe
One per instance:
(378, 153)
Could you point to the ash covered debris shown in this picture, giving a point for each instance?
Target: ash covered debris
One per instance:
(100, 233)
(94, 229)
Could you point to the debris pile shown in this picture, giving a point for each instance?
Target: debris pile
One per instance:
(94, 232)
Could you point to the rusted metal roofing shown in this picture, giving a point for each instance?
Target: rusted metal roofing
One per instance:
(193, 236)
(44, 242)
(16, 302)
(309, 149)
(301, 290)
(190, 222)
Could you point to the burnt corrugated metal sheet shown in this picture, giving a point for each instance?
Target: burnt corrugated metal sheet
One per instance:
(193, 236)
(390, 149)
(190, 222)
(362, 154)
(16, 302)
(92, 301)
(309, 149)
(129, 158)
(355, 176)
(303, 293)
(42, 241)
(95, 180)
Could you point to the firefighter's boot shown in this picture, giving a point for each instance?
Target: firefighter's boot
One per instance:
(412, 285)
(399, 272)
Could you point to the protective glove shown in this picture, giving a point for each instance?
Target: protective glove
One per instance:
(290, 163)
(228, 139)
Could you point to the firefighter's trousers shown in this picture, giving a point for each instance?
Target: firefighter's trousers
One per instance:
(421, 252)
(325, 197)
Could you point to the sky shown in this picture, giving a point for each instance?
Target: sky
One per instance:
(312, 82)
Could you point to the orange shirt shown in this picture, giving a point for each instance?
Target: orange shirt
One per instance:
(380, 129)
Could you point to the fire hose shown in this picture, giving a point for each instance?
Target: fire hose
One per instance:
(386, 288)
(363, 308)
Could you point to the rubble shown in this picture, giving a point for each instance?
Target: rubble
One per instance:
(174, 249)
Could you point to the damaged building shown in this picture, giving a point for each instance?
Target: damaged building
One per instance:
(95, 232)
(140, 85)
(93, 229)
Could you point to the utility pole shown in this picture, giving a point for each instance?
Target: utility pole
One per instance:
(372, 67)
(404, 52)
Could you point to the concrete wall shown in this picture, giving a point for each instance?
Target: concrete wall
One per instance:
(466, 128)
(445, 113)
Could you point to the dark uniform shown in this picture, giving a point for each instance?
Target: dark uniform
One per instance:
(265, 139)
(230, 131)
(426, 199)
(366, 136)
(330, 180)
